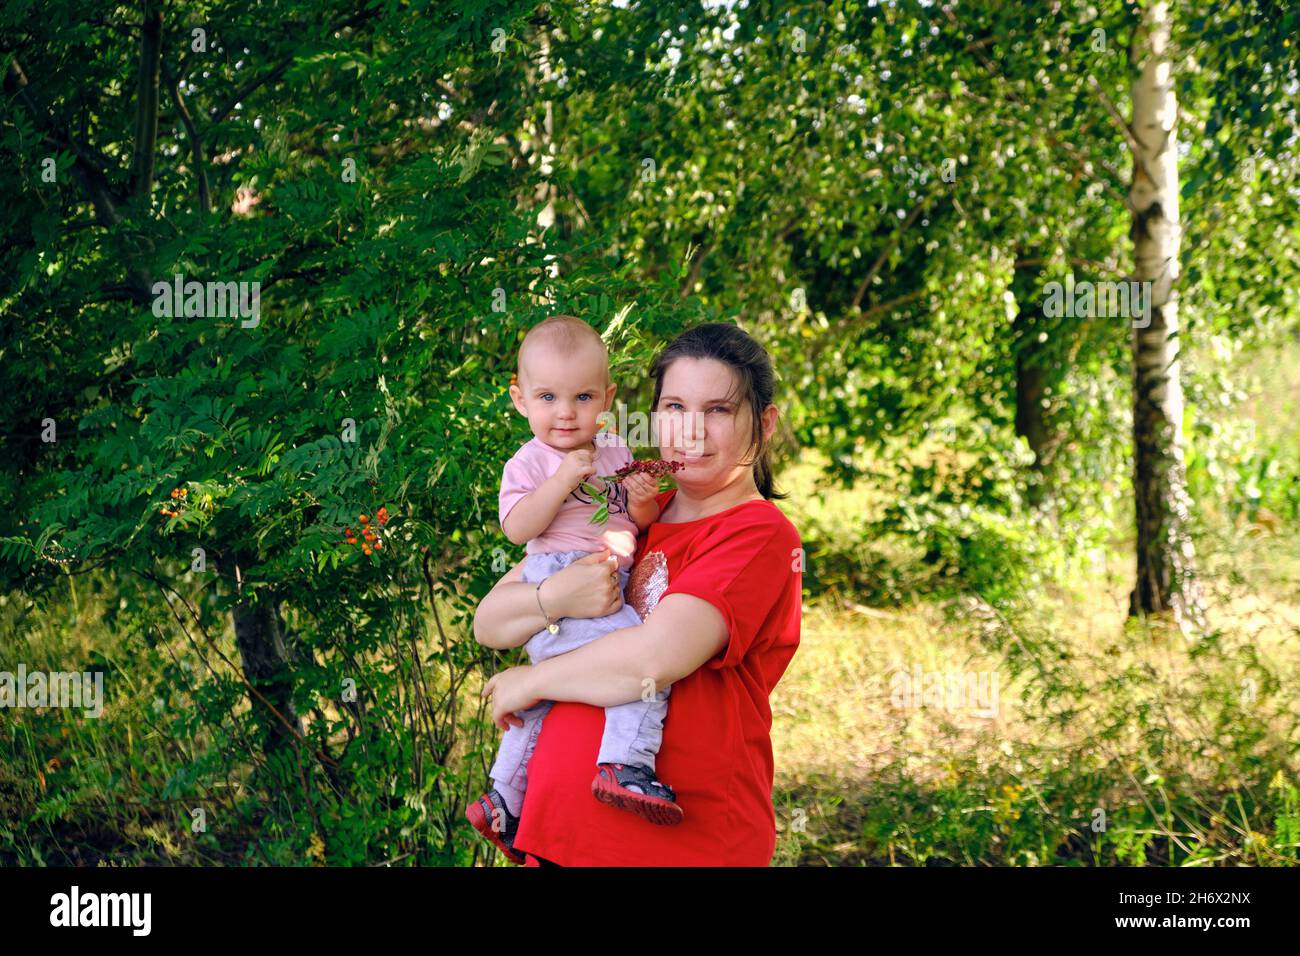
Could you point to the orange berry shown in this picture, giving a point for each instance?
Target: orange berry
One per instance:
(175, 493)
(365, 548)
(184, 492)
(162, 511)
(364, 519)
(378, 545)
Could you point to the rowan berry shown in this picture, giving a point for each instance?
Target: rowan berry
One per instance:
(655, 468)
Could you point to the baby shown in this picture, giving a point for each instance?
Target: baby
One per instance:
(563, 386)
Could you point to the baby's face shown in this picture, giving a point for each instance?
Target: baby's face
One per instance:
(563, 394)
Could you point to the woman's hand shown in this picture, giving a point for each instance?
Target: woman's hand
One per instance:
(586, 588)
(509, 692)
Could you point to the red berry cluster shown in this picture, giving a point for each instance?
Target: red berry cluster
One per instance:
(655, 468)
(372, 541)
(178, 496)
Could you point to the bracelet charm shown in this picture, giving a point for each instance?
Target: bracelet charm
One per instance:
(551, 626)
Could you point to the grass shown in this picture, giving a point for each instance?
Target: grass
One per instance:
(1111, 742)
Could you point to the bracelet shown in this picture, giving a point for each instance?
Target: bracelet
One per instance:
(550, 625)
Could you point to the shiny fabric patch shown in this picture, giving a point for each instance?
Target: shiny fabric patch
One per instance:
(647, 583)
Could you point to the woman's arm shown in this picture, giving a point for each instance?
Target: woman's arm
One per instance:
(509, 614)
(682, 633)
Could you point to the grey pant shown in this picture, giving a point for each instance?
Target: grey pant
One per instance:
(633, 731)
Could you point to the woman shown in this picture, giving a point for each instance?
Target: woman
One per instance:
(718, 583)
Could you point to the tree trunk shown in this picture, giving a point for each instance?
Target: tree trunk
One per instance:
(1030, 422)
(1031, 377)
(540, 149)
(146, 115)
(545, 142)
(267, 660)
(1165, 579)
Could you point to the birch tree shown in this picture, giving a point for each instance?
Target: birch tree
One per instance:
(1165, 579)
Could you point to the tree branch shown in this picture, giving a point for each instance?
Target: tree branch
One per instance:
(87, 170)
(146, 116)
(1051, 139)
(1101, 267)
(890, 246)
(196, 144)
(219, 113)
(1129, 137)
(697, 264)
(891, 304)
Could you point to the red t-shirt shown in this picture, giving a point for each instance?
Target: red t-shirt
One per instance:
(717, 750)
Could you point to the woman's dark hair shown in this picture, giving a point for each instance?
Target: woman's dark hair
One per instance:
(734, 347)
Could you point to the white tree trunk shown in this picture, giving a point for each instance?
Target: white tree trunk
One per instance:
(1164, 551)
(541, 148)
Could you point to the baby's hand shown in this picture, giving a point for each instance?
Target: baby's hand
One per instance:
(640, 488)
(578, 466)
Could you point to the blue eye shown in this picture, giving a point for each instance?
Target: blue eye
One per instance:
(548, 396)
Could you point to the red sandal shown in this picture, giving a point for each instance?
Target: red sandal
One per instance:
(481, 814)
(653, 800)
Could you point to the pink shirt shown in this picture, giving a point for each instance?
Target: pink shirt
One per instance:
(572, 530)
